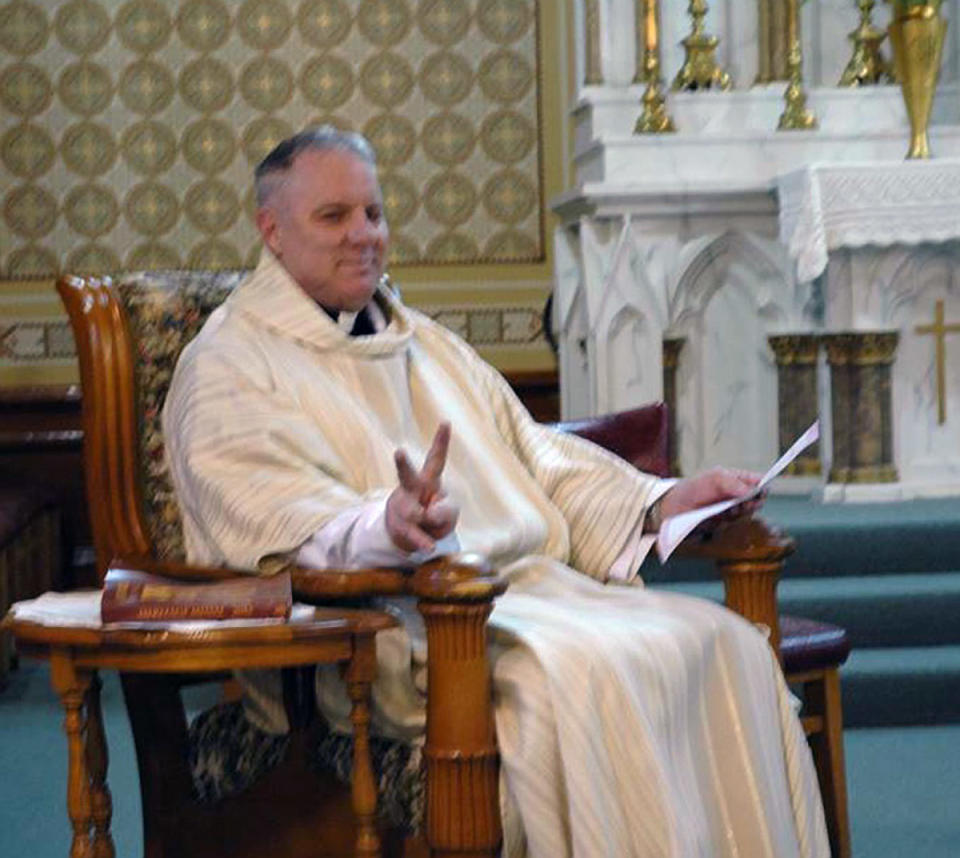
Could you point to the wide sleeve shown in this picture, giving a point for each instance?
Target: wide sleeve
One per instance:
(252, 473)
(602, 498)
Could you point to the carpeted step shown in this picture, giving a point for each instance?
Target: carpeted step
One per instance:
(876, 611)
(901, 686)
(869, 539)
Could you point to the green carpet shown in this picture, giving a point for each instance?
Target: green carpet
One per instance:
(904, 783)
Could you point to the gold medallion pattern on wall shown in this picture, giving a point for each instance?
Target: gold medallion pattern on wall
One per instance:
(504, 21)
(446, 78)
(444, 22)
(115, 117)
(393, 137)
(208, 145)
(400, 201)
(450, 198)
(211, 205)
(30, 211)
(448, 138)
(214, 253)
(264, 24)
(505, 76)
(24, 28)
(451, 246)
(266, 84)
(510, 244)
(27, 150)
(25, 89)
(508, 196)
(384, 22)
(152, 256)
(88, 149)
(261, 135)
(507, 136)
(206, 84)
(82, 26)
(92, 259)
(327, 81)
(324, 23)
(32, 260)
(204, 25)
(91, 210)
(85, 87)
(151, 208)
(146, 87)
(387, 79)
(149, 147)
(143, 25)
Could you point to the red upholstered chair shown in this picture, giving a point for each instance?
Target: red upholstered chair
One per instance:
(810, 651)
(128, 337)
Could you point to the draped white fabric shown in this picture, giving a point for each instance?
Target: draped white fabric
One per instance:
(631, 723)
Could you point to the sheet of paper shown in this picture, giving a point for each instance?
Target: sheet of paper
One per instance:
(676, 528)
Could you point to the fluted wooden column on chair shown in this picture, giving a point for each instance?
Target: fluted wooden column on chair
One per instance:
(463, 808)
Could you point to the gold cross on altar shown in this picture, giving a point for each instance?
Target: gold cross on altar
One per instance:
(940, 331)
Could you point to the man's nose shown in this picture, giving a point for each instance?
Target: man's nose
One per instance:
(360, 229)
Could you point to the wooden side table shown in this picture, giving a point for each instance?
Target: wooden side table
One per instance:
(76, 654)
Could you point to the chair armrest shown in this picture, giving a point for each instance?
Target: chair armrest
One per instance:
(749, 553)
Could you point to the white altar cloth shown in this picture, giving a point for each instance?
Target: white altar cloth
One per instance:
(825, 207)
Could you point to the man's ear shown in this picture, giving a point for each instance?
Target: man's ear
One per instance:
(268, 227)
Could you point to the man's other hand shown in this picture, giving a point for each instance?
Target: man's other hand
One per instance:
(418, 511)
(713, 486)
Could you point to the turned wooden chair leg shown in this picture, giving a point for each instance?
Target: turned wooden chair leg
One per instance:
(97, 762)
(71, 686)
(823, 697)
(359, 674)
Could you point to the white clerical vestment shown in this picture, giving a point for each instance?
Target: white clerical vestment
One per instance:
(630, 722)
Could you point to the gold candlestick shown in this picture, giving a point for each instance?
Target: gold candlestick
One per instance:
(795, 116)
(867, 66)
(700, 69)
(654, 118)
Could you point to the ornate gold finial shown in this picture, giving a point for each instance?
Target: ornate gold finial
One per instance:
(654, 118)
(700, 70)
(867, 66)
(795, 116)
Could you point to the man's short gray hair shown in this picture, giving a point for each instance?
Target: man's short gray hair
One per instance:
(269, 173)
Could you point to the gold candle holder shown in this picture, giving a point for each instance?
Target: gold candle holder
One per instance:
(700, 69)
(654, 118)
(867, 65)
(796, 116)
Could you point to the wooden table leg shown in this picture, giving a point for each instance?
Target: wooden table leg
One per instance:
(71, 685)
(359, 673)
(97, 761)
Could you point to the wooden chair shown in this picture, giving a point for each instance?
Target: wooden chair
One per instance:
(129, 336)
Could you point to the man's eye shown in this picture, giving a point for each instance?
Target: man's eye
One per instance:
(331, 217)
(374, 214)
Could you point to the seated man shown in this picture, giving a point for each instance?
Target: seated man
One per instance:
(630, 723)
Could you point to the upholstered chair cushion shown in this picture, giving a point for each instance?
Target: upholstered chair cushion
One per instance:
(165, 310)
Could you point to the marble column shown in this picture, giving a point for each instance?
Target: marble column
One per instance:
(672, 346)
(861, 405)
(593, 72)
(796, 356)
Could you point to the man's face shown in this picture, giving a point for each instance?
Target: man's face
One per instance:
(325, 224)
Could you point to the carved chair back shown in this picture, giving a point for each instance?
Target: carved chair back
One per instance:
(129, 335)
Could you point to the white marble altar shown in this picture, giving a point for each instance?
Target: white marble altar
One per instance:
(884, 239)
(678, 236)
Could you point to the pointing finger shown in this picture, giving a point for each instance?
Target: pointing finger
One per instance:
(406, 474)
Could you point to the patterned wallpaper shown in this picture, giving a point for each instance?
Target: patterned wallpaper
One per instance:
(128, 130)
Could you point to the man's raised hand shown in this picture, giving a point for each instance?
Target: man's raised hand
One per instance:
(418, 511)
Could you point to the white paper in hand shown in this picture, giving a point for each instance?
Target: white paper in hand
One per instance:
(675, 529)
